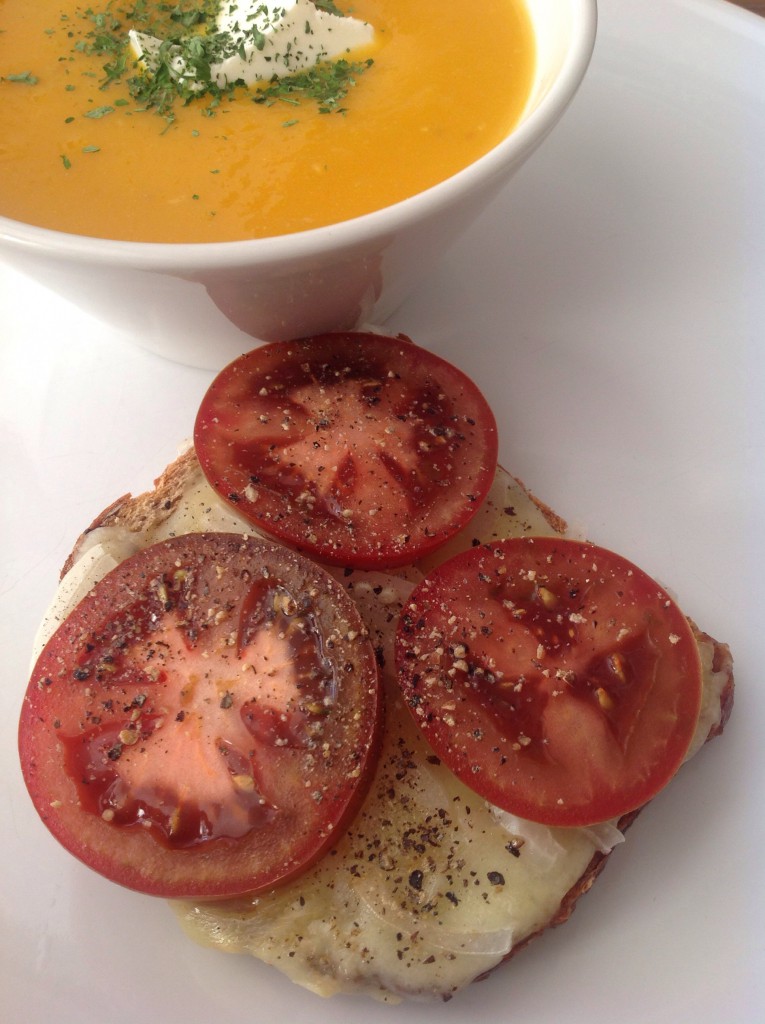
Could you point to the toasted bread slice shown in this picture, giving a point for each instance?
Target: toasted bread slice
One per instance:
(362, 920)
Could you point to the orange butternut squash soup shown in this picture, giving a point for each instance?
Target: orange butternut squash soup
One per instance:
(95, 141)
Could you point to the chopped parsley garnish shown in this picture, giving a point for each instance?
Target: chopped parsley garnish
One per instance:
(25, 78)
(179, 69)
(327, 84)
(328, 7)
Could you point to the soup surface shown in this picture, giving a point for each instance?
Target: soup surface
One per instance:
(447, 82)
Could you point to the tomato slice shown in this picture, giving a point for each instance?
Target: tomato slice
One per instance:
(555, 678)
(361, 449)
(205, 720)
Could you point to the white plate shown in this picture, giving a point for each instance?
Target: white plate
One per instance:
(612, 305)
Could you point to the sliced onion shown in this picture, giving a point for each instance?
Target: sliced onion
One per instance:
(604, 836)
(539, 840)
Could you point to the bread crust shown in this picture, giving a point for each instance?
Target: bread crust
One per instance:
(148, 509)
(558, 523)
(137, 513)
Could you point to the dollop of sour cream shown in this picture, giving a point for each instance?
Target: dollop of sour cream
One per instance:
(258, 40)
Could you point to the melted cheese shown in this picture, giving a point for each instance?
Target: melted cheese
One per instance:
(430, 887)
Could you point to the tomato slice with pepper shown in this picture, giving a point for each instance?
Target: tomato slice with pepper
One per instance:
(205, 721)
(555, 678)
(360, 449)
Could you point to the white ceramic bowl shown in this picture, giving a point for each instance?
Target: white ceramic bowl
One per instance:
(203, 304)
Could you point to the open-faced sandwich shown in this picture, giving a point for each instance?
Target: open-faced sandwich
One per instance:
(347, 693)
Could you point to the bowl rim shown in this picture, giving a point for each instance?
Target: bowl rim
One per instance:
(343, 236)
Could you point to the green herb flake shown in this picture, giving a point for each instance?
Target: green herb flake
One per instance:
(91, 149)
(328, 7)
(24, 78)
(66, 161)
(98, 112)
